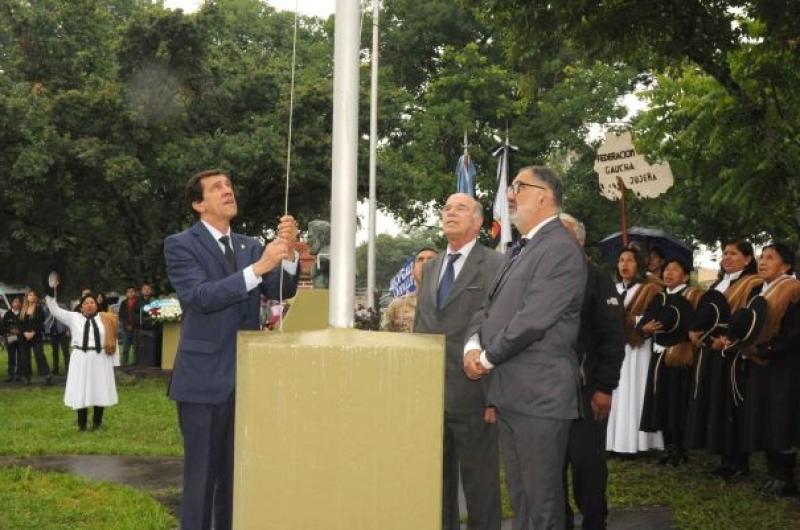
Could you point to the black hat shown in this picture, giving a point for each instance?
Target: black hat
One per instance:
(747, 322)
(713, 310)
(676, 317)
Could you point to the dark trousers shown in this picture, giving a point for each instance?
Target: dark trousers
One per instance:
(586, 456)
(59, 342)
(534, 450)
(128, 338)
(471, 450)
(14, 360)
(208, 464)
(25, 358)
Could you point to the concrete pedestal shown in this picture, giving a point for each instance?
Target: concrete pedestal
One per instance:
(338, 429)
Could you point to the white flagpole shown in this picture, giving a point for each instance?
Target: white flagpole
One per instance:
(373, 158)
(345, 163)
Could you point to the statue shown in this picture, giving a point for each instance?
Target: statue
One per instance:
(319, 238)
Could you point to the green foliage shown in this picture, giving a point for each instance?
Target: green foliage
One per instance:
(33, 499)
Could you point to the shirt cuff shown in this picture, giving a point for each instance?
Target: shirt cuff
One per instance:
(485, 361)
(291, 266)
(251, 281)
(473, 343)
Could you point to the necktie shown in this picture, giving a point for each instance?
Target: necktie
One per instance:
(85, 345)
(229, 257)
(447, 280)
(517, 247)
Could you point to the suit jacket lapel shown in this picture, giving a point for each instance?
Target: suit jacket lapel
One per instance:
(433, 286)
(467, 273)
(240, 251)
(207, 241)
(529, 246)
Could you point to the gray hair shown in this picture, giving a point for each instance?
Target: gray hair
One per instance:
(580, 228)
(478, 211)
(549, 178)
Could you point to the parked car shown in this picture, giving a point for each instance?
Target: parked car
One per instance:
(7, 293)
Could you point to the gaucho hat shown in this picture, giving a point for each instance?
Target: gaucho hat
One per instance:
(676, 316)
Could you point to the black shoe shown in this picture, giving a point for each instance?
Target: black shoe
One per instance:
(779, 488)
(667, 456)
(81, 427)
(679, 457)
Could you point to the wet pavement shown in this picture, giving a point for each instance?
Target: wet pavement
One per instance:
(162, 478)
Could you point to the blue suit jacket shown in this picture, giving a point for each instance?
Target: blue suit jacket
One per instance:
(216, 305)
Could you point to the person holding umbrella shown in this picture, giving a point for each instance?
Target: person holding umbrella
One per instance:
(666, 400)
(623, 435)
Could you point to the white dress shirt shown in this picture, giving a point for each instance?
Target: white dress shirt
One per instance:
(474, 342)
(251, 279)
(459, 263)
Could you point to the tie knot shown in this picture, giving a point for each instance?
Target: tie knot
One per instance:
(518, 245)
(224, 240)
(452, 258)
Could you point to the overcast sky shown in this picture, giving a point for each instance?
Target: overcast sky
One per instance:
(319, 8)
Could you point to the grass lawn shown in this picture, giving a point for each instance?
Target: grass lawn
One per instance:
(35, 421)
(36, 500)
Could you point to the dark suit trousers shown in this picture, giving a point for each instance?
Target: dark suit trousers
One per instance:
(207, 464)
(471, 449)
(586, 455)
(534, 450)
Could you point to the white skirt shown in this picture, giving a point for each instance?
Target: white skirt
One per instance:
(623, 435)
(90, 381)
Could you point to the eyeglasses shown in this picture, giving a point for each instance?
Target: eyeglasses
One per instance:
(516, 185)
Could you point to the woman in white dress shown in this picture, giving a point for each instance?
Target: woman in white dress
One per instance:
(90, 380)
(623, 435)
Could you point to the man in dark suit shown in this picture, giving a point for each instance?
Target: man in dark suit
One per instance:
(453, 287)
(601, 349)
(218, 276)
(526, 334)
(128, 322)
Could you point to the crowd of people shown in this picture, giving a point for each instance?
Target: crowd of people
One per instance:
(665, 367)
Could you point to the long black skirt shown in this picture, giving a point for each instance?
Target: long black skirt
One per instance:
(769, 418)
(666, 399)
(700, 398)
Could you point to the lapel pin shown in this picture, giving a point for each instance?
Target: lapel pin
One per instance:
(242, 246)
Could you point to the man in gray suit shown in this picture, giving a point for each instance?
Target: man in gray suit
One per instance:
(525, 336)
(454, 284)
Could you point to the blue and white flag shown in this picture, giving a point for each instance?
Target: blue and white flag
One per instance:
(403, 281)
(465, 175)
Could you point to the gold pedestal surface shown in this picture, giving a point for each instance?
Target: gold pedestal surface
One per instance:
(171, 334)
(338, 429)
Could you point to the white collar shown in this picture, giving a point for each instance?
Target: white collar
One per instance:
(464, 251)
(216, 234)
(538, 227)
(767, 285)
(676, 289)
(732, 276)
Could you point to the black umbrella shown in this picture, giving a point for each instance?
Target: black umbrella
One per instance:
(646, 238)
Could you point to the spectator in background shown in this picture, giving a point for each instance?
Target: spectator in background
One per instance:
(128, 322)
(102, 303)
(399, 316)
(656, 261)
(32, 327)
(148, 334)
(59, 338)
(11, 332)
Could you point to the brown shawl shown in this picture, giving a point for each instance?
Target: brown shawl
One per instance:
(682, 354)
(738, 292)
(779, 295)
(110, 323)
(641, 299)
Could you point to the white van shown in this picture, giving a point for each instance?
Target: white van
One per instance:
(9, 292)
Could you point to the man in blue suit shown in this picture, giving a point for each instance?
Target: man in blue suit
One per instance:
(218, 276)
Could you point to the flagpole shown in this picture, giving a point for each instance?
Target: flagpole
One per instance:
(373, 148)
(344, 167)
